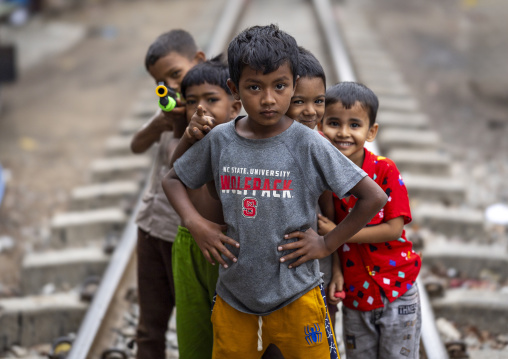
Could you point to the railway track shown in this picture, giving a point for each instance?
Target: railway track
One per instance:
(97, 239)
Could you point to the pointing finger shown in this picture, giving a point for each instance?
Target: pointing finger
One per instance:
(200, 111)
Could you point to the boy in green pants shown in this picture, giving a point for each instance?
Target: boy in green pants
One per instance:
(206, 95)
(167, 60)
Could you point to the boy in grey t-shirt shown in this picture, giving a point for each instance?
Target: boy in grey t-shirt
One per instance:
(269, 172)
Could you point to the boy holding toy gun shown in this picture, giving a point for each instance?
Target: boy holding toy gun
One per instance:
(168, 59)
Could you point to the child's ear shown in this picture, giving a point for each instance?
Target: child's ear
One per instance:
(233, 89)
(371, 135)
(236, 106)
(199, 57)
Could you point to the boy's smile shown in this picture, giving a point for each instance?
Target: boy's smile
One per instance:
(265, 98)
(308, 102)
(348, 129)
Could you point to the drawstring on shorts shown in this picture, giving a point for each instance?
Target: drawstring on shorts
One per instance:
(260, 333)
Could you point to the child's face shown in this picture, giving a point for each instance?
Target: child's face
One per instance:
(308, 102)
(348, 130)
(171, 68)
(265, 97)
(216, 102)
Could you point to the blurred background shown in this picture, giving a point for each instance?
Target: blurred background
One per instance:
(71, 70)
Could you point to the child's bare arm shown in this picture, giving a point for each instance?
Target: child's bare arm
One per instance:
(384, 232)
(326, 205)
(151, 131)
(371, 199)
(198, 127)
(337, 281)
(325, 225)
(208, 235)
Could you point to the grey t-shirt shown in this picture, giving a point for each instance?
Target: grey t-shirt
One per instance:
(156, 215)
(268, 188)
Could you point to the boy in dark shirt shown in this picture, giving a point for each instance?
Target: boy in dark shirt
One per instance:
(167, 60)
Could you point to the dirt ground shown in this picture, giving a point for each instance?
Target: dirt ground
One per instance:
(58, 114)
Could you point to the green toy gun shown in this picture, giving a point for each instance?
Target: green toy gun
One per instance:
(167, 97)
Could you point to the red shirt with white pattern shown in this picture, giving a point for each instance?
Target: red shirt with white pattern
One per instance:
(369, 268)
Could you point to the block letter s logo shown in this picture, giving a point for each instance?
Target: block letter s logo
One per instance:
(249, 207)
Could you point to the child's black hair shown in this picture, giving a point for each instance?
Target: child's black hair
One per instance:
(262, 48)
(213, 72)
(348, 93)
(177, 40)
(309, 66)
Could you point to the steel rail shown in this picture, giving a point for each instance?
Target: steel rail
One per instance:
(225, 27)
(114, 273)
(344, 71)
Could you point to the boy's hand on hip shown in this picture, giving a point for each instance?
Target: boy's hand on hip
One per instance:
(309, 246)
(199, 125)
(211, 240)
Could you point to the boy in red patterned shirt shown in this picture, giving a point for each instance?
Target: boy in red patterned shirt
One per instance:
(382, 317)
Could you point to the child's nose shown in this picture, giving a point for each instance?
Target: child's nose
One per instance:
(342, 131)
(309, 110)
(268, 98)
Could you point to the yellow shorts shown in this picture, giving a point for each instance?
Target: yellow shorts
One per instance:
(301, 329)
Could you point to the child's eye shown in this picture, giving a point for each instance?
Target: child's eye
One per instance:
(190, 102)
(213, 99)
(254, 87)
(298, 102)
(175, 74)
(333, 124)
(319, 102)
(280, 86)
(355, 125)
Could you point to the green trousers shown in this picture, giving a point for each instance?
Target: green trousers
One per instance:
(195, 280)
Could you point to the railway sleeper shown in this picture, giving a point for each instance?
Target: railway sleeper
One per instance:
(370, 76)
(382, 89)
(38, 319)
(485, 310)
(129, 126)
(104, 195)
(120, 168)
(74, 229)
(118, 145)
(145, 106)
(392, 138)
(446, 190)
(398, 103)
(465, 223)
(468, 260)
(393, 119)
(64, 268)
(430, 162)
